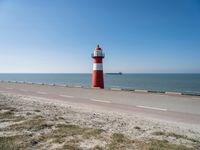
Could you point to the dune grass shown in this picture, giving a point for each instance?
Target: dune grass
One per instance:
(8, 114)
(69, 136)
(175, 135)
(9, 143)
(34, 124)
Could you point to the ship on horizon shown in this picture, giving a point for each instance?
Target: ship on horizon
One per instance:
(114, 73)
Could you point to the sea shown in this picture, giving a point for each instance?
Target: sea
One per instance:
(185, 83)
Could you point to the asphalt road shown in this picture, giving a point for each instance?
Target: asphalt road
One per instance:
(178, 108)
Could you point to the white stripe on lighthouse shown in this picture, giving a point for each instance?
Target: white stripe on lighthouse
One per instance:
(98, 66)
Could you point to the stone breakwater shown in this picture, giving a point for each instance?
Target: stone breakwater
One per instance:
(113, 89)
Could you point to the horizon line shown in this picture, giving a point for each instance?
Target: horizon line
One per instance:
(104, 72)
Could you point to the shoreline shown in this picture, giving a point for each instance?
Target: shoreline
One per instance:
(112, 88)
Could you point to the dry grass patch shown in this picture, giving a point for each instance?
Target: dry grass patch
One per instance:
(13, 142)
(8, 114)
(64, 130)
(164, 145)
(68, 130)
(119, 141)
(8, 143)
(69, 135)
(154, 144)
(177, 136)
(71, 130)
(90, 132)
(34, 124)
(72, 145)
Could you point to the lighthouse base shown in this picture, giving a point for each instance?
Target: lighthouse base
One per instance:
(97, 79)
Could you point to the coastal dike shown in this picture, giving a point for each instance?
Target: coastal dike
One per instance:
(62, 117)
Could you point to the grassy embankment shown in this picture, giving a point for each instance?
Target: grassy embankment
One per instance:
(35, 131)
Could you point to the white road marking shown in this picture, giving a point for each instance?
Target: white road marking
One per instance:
(155, 108)
(67, 96)
(41, 92)
(23, 90)
(102, 101)
(9, 88)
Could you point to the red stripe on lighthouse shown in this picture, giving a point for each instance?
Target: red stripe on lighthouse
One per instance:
(97, 79)
(98, 60)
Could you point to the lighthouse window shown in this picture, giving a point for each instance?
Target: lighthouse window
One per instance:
(98, 53)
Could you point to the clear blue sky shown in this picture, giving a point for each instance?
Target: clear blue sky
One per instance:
(137, 36)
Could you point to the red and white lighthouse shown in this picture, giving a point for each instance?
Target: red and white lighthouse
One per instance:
(97, 76)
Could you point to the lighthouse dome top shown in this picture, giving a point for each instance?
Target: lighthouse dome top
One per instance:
(98, 48)
(98, 53)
